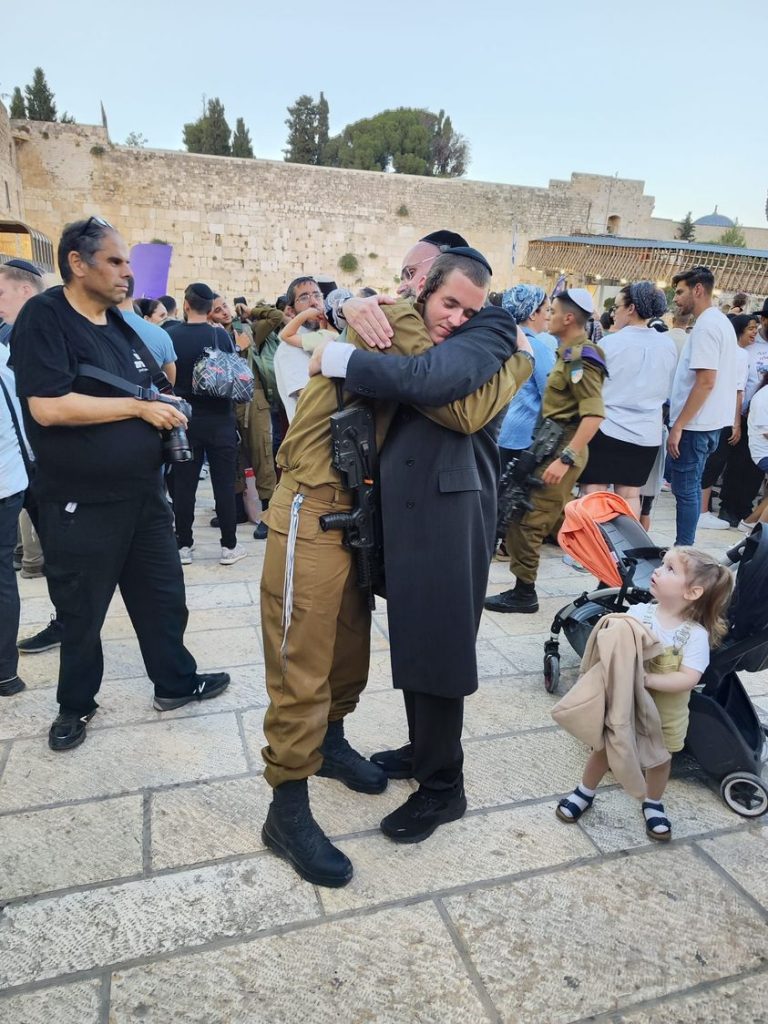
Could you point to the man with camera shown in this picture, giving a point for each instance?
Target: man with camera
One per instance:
(104, 520)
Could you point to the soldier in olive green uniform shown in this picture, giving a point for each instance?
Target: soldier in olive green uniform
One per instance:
(573, 398)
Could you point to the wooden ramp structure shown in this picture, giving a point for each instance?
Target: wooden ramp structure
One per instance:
(609, 259)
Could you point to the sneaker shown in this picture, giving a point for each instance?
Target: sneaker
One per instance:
(666, 485)
(68, 729)
(31, 574)
(709, 521)
(746, 527)
(512, 601)
(11, 686)
(231, 555)
(573, 564)
(185, 554)
(45, 640)
(208, 686)
(421, 814)
(396, 764)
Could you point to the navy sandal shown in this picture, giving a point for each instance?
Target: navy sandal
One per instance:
(574, 809)
(659, 820)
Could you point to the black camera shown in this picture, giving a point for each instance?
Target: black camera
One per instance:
(176, 447)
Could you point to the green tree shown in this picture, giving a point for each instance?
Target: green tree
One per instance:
(210, 133)
(67, 118)
(18, 106)
(323, 114)
(686, 231)
(406, 140)
(241, 140)
(733, 236)
(40, 101)
(136, 140)
(303, 124)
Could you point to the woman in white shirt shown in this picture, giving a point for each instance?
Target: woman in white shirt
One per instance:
(641, 366)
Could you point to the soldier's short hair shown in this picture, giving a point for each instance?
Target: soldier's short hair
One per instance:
(444, 265)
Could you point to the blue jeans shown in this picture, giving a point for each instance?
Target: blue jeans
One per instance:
(685, 473)
(9, 592)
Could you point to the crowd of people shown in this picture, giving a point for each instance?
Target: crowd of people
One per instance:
(367, 457)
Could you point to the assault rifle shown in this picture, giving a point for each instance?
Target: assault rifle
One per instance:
(518, 480)
(353, 444)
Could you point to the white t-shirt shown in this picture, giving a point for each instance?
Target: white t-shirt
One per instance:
(742, 368)
(695, 649)
(711, 345)
(757, 425)
(757, 358)
(291, 375)
(641, 366)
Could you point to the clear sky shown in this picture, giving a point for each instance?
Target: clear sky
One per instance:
(671, 93)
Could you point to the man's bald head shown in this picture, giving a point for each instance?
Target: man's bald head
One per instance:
(416, 265)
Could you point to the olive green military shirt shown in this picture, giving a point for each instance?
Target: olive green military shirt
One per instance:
(306, 451)
(575, 385)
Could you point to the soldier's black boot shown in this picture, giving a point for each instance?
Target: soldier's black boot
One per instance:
(521, 599)
(342, 762)
(292, 833)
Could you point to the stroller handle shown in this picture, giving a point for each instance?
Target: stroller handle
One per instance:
(733, 555)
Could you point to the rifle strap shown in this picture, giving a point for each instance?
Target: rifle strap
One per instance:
(339, 382)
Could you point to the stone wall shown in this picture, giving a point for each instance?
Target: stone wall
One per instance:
(249, 226)
(11, 199)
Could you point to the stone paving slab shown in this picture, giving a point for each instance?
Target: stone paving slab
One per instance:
(85, 930)
(114, 761)
(472, 850)
(507, 769)
(589, 940)
(509, 704)
(69, 846)
(76, 1003)
(744, 855)
(741, 1002)
(389, 968)
(616, 822)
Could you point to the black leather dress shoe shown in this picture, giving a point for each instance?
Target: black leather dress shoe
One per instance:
(9, 687)
(423, 812)
(68, 729)
(208, 686)
(512, 601)
(398, 764)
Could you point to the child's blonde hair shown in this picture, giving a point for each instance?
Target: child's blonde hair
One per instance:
(716, 581)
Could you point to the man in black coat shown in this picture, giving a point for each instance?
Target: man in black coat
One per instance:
(438, 489)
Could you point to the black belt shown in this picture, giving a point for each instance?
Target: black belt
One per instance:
(11, 497)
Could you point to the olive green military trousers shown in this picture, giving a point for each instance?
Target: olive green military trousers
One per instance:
(317, 662)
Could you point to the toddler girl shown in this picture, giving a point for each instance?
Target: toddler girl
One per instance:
(691, 592)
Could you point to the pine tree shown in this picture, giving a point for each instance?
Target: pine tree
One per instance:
(322, 127)
(40, 103)
(241, 140)
(686, 232)
(734, 236)
(302, 124)
(18, 106)
(210, 133)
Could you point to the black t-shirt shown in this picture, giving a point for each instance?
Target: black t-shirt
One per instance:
(189, 343)
(100, 462)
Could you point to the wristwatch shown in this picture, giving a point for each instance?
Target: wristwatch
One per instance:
(568, 457)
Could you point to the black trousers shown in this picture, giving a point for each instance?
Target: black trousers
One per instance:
(434, 729)
(216, 436)
(88, 553)
(742, 478)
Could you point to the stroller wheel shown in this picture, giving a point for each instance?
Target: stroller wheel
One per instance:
(551, 672)
(745, 793)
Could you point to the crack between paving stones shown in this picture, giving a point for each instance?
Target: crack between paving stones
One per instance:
(718, 868)
(244, 740)
(224, 942)
(146, 834)
(670, 999)
(466, 959)
(105, 998)
(5, 753)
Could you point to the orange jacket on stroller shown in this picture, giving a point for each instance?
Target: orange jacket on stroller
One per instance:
(580, 537)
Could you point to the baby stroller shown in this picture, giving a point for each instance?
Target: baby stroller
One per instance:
(724, 734)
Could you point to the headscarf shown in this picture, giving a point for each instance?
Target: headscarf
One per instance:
(522, 301)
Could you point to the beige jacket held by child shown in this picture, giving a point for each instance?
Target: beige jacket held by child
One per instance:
(610, 708)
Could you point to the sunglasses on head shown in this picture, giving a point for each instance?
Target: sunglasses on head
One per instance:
(99, 221)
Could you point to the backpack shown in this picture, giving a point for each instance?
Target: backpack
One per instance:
(263, 363)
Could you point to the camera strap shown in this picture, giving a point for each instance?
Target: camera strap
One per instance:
(159, 379)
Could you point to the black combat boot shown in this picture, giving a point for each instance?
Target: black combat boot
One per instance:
(521, 599)
(292, 833)
(342, 762)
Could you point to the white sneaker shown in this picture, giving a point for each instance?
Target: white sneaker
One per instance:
(709, 521)
(231, 555)
(185, 554)
(746, 527)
